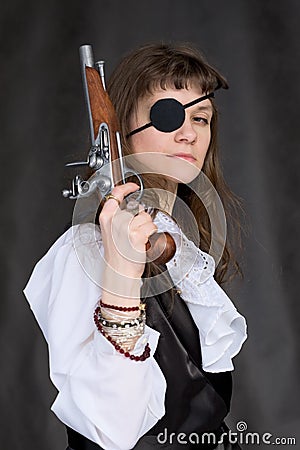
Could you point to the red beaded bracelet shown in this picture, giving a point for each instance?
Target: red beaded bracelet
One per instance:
(122, 308)
(142, 357)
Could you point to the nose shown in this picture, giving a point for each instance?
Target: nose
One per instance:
(186, 132)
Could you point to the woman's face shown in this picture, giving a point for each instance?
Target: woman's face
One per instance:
(178, 155)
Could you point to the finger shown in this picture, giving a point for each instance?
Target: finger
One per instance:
(144, 232)
(120, 192)
(124, 189)
(117, 196)
(112, 197)
(140, 219)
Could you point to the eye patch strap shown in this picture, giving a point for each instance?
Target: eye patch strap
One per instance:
(161, 114)
(137, 130)
(194, 102)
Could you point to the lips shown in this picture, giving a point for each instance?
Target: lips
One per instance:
(186, 156)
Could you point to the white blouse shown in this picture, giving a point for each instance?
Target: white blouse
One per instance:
(104, 396)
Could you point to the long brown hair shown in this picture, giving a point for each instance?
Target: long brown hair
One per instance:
(161, 66)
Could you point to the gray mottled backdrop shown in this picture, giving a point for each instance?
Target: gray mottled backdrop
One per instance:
(44, 125)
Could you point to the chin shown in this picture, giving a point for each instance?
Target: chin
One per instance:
(184, 178)
(181, 171)
(175, 169)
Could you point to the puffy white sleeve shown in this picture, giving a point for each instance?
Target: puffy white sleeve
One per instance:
(104, 396)
(222, 329)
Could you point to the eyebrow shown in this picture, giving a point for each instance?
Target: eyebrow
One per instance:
(207, 108)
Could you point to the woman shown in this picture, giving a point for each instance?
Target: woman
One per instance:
(124, 383)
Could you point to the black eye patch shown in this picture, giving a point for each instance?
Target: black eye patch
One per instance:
(168, 114)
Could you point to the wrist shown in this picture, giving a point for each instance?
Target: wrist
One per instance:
(124, 269)
(118, 289)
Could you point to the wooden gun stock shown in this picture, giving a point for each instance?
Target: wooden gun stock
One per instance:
(161, 246)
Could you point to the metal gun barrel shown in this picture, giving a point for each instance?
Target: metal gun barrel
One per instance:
(87, 60)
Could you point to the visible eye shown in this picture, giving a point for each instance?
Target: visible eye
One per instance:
(200, 119)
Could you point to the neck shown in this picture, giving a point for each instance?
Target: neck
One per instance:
(167, 198)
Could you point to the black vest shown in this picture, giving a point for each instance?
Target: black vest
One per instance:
(196, 401)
